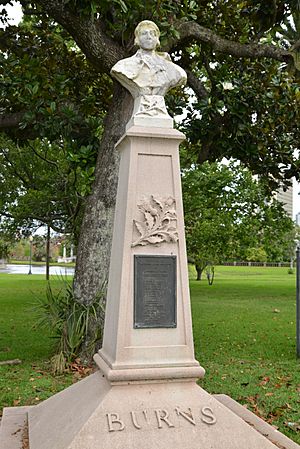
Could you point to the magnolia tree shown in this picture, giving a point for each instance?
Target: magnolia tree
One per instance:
(241, 99)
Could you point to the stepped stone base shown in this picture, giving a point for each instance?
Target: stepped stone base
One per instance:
(14, 428)
(93, 414)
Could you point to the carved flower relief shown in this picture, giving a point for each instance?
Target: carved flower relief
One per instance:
(159, 222)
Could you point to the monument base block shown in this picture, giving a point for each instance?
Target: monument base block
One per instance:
(93, 414)
(154, 374)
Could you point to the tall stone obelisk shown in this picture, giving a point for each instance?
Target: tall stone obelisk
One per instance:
(144, 395)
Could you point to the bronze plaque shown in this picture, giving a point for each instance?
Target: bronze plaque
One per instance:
(154, 291)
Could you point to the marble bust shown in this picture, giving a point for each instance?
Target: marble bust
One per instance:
(148, 76)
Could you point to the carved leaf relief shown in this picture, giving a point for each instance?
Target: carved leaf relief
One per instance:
(160, 221)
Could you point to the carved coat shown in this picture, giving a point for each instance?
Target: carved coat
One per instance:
(148, 74)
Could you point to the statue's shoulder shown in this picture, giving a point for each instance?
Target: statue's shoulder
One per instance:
(128, 66)
(128, 61)
(164, 55)
(177, 72)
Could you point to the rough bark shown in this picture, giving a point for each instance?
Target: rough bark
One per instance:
(199, 273)
(11, 120)
(88, 33)
(93, 253)
(11, 362)
(196, 85)
(103, 52)
(199, 270)
(190, 31)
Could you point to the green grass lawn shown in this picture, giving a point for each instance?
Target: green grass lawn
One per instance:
(244, 333)
(32, 381)
(37, 264)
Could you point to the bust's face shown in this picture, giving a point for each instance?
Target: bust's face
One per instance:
(147, 38)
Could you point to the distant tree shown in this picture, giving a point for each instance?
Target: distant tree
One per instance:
(229, 216)
(41, 185)
(57, 100)
(4, 247)
(256, 254)
(39, 248)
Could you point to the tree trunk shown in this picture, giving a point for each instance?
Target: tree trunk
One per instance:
(199, 270)
(94, 247)
(210, 274)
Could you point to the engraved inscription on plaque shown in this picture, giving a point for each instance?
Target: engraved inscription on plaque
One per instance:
(154, 291)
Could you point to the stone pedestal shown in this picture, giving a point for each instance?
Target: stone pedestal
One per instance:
(144, 394)
(148, 222)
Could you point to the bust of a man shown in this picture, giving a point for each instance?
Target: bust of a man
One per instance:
(149, 75)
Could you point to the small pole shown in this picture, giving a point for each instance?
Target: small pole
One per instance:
(48, 253)
(30, 254)
(298, 300)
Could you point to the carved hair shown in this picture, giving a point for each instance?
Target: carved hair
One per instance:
(146, 24)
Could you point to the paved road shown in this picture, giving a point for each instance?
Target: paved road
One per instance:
(41, 269)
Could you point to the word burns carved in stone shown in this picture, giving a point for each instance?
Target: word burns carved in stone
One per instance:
(160, 418)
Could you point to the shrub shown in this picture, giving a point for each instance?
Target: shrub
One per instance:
(72, 323)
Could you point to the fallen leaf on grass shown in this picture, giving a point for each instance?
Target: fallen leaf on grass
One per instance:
(295, 426)
(277, 412)
(252, 401)
(43, 373)
(264, 381)
(80, 370)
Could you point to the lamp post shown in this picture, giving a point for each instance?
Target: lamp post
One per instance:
(298, 299)
(30, 253)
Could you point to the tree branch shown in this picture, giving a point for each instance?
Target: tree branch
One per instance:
(296, 46)
(43, 158)
(10, 120)
(193, 31)
(11, 362)
(12, 168)
(31, 12)
(196, 85)
(99, 48)
(10, 124)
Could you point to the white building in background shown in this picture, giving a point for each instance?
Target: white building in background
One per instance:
(286, 198)
(298, 219)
